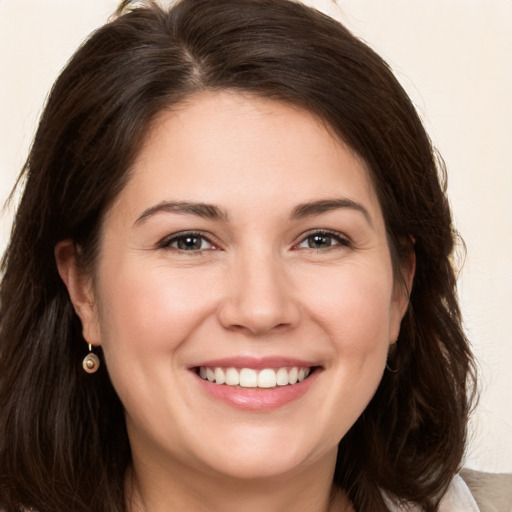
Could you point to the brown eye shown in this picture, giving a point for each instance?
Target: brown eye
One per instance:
(189, 242)
(323, 240)
(319, 241)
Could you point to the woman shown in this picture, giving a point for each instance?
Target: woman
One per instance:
(229, 285)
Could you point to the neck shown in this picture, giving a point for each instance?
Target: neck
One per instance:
(307, 490)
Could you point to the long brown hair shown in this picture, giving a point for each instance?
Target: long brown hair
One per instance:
(63, 441)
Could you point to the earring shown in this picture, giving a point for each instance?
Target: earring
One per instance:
(91, 362)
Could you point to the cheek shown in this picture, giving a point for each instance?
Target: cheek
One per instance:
(148, 310)
(354, 312)
(355, 308)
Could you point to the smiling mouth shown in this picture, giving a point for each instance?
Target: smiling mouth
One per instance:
(266, 378)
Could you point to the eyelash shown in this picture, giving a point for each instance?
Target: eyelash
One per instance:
(341, 240)
(166, 243)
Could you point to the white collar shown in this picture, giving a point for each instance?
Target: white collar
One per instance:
(458, 498)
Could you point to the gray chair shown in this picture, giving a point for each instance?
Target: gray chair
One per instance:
(492, 491)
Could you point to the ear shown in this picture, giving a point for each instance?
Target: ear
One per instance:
(80, 289)
(402, 292)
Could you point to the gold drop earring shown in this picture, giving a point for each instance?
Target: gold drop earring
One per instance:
(91, 361)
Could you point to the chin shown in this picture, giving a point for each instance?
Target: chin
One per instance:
(264, 455)
(260, 468)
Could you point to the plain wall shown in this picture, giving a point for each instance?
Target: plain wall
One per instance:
(454, 57)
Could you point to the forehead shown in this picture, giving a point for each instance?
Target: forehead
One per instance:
(231, 147)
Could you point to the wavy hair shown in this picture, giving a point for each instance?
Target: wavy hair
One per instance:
(63, 441)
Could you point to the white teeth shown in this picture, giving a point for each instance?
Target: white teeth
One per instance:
(267, 379)
(282, 377)
(250, 378)
(232, 377)
(220, 376)
(292, 376)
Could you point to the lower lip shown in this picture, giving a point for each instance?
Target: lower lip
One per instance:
(258, 399)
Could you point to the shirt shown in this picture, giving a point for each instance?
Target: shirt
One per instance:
(458, 498)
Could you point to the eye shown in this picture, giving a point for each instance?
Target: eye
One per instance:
(189, 242)
(323, 240)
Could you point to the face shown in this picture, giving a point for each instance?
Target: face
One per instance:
(244, 294)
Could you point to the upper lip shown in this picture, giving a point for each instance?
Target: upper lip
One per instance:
(257, 363)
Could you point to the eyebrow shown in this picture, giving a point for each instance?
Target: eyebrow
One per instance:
(204, 210)
(210, 211)
(321, 206)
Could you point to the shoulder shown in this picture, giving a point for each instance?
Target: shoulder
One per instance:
(471, 491)
(467, 492)
(458, 498)
(491, 491)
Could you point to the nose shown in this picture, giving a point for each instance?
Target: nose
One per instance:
(260, 298)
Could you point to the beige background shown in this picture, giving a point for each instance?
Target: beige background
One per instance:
(454, 57)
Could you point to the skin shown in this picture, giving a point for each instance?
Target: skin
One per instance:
(257, 286)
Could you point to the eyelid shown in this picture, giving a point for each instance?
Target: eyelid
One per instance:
(342, 239)
(166, 242)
